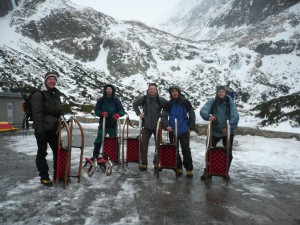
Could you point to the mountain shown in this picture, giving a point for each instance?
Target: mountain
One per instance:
(89, 48)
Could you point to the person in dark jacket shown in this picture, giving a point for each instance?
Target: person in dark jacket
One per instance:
(46, 109)
(219, 110)
(152, 105)
(181, 109)
(108, 106)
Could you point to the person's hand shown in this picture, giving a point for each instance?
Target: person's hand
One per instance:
(142, 116)
(224, 131)
(211, 117)
(104, 114)
(116, 116)
(169, 129)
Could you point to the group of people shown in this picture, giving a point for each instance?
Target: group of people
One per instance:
(46, 109)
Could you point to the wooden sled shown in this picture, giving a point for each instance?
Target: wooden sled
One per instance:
(166, 151)
(132, 152)
(216, 157)
(64, 154)
(109, 153)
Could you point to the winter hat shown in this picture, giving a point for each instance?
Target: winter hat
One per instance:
(51, 74)
(221, 87)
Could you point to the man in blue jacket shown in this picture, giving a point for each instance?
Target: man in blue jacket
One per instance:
(219, 110)
(181, 109)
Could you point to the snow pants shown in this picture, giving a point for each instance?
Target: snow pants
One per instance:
(146, 135)
(184, 141)
(41, 163)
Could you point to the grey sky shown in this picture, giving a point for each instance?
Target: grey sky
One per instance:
(150, 12)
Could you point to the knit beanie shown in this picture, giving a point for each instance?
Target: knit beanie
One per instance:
(51, 74)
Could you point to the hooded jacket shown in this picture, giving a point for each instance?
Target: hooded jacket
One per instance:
(225, 109)
(181, 109)
(46, 109)
(111, 105)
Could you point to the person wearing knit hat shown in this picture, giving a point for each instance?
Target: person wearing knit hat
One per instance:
(46, 110)
(51, 74)
(218, 110)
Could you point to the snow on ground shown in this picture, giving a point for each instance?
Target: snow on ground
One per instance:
(277, 159)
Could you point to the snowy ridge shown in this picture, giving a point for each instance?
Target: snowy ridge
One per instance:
(89, 48)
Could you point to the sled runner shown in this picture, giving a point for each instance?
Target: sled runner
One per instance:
(64, 154)
(132, 153)
(216, 157)
(109, 153)
(166, 151)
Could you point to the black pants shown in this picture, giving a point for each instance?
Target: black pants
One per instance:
(41, 163)
(215, 140)
(184, 140)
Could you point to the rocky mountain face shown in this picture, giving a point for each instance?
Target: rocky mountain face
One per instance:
(202, 20)
(89, 48)
(6, 6)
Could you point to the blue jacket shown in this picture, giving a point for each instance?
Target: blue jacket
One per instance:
(181, 109)
(223, 110)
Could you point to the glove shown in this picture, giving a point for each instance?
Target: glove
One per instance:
(116, 116)
(104, 114)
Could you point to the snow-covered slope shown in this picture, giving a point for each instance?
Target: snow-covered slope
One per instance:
(89, 48)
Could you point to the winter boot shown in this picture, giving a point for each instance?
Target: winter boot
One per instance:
(178, 172)
(47, 182)
(143, 167)
(189, 174)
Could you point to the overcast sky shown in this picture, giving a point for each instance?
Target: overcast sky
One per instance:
(150, 12)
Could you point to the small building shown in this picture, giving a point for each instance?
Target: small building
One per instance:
(11, 107)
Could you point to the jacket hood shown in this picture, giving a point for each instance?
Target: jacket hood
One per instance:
(113, 89)
(175, 87)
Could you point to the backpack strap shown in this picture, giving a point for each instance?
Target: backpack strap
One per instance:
(215, 103)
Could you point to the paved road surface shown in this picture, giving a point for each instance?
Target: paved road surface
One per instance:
(133, 197)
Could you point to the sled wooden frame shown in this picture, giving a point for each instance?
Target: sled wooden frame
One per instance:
(209, 157)
(160, 145)
(63, 124)
(134, 143)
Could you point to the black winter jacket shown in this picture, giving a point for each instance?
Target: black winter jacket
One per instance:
(46, 109)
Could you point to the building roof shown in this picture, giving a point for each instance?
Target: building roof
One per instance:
(11, 94)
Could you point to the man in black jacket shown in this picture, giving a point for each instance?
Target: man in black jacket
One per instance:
(46, 109)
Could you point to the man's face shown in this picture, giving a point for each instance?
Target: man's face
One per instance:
(108, 91)
(174, 93)
(51, 82)
(221, 93)
(152, 90)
